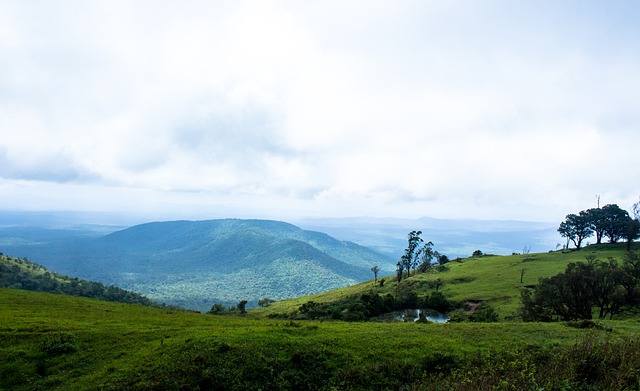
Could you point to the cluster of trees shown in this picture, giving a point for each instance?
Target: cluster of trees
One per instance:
(602, 287)
(418, 255)
(23, 274)
(609, 221)
(370, 305)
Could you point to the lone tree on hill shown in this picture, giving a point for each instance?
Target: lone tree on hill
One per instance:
(375, 271)
(576, 228)
(411, 253)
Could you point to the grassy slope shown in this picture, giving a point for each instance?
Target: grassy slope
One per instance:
(119, 346)
(495, 279)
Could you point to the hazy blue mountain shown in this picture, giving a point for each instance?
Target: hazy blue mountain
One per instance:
(198, 263)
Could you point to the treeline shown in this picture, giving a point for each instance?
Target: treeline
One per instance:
(609, 221)
(23, 274)
(605, 288)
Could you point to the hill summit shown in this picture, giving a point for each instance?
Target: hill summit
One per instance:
(196, 264)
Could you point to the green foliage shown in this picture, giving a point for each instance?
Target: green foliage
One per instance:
(576, 228)
(58, 343)
(265, 302)
(604, 286)
(24, 274)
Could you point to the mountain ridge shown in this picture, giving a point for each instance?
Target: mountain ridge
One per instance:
(196, 264)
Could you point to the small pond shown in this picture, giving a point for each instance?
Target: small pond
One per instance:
(414, 315)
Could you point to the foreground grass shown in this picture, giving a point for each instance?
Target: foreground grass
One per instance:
(52, 341)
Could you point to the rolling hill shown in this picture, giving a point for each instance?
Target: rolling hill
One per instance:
(495, 280)
(195, 264)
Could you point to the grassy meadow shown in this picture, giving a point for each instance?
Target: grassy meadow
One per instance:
(50, 341)
(493, 279)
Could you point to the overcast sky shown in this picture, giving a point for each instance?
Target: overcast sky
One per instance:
(279, 109)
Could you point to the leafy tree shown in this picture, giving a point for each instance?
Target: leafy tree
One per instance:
(615, 222)
(399, 270)
(443, 259)
(583, 287)
(216, 309)
(265, 302)
(632, 231)
(597, 222)
(412, 252)
(576, 228)
(477, 254)
(375, 270)
(242, 306)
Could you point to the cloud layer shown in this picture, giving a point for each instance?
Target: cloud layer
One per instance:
(457, 108)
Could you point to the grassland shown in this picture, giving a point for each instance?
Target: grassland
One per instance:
(54, 341)
(493, 279)
(50, 341)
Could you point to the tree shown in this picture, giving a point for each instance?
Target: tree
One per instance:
(216, 309)
(615, 220)
(597, 222)
(399, 270)
(583, 287)
(632, 231)
(576, 228)
(242, 306)
(265, 302)
(426, 254)
(443, 259)
(411, 253)
(375, 270)
(477, 254)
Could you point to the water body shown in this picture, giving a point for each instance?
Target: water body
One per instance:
(408, 315)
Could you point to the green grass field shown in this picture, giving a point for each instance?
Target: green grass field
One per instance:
(54, 341)
(494, 279)
(50, 341)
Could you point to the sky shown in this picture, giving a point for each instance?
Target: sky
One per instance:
(519, 110)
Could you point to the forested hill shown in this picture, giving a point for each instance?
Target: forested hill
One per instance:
(196, 264)
(24, 274)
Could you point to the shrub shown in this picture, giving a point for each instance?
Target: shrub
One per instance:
(58, 343)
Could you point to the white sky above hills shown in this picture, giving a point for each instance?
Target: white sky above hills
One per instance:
(278, 109)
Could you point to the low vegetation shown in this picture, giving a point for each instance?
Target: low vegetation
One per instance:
(62, 342)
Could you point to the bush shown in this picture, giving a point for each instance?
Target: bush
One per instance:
(58, 343)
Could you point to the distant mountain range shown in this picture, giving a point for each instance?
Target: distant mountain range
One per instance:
(196, 264)
(453, 237)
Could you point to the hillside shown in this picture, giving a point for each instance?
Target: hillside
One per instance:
(195, 264)
(24, 274)
(71, 343)
(494, 280)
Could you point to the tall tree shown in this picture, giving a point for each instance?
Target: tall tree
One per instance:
(632, 231)
(375, 270)
(597, 222)
(576, 228)
(411, 253)
(426, 255)
(615, 222)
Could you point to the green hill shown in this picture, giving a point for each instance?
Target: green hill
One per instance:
(195, 264)
(494, 280)
(71, 343)
(24, 274)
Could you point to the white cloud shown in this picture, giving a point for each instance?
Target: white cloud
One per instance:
(493, 109)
